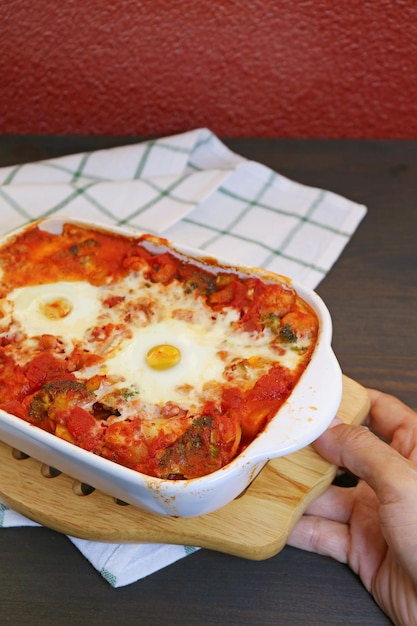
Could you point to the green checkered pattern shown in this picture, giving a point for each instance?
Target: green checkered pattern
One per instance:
(193, 190)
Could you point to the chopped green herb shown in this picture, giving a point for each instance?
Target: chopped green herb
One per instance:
(271, 321)
(287, 335)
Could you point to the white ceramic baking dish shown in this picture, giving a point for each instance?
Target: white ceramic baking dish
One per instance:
(303, 417)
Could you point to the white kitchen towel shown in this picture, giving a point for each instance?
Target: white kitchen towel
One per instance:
(191, 189)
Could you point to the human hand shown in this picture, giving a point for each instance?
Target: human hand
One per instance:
(373, 526)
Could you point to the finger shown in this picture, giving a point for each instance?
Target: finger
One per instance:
(336, 503)
(316, 534)
(358, 450)
(395, 421)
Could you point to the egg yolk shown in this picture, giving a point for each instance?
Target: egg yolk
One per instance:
(163, 357)
(56, 309)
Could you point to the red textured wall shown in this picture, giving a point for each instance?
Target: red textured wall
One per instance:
(294, 68)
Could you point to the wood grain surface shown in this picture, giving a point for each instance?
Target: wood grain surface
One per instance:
(255, 525)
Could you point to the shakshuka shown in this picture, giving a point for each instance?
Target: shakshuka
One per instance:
(162, 362)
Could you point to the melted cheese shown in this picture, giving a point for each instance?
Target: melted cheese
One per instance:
(208, 346)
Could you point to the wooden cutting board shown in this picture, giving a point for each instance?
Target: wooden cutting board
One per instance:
(255, 525)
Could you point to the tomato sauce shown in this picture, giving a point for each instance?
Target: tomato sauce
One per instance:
(45, 388)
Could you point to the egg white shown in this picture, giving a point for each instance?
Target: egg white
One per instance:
(199, 362)
(28, 303)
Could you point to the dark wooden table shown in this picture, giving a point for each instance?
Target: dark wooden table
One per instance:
(372, 295)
